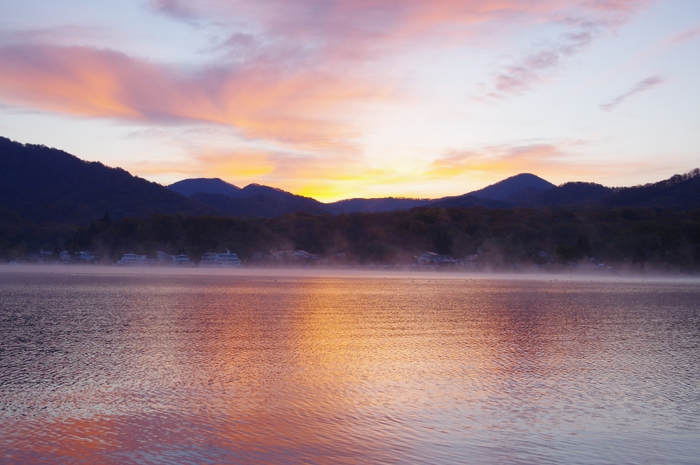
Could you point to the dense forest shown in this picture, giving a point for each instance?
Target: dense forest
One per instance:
(501, 238)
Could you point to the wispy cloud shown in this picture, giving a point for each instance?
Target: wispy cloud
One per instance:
(556, 159)
(539, 157)
(592, 21)
(685, 36)
(294, 74)
(260, 102)
(176, 9)
(641, 86)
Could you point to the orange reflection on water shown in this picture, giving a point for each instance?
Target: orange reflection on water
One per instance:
(235, 369)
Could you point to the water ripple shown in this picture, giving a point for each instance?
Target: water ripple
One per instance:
(234, 369)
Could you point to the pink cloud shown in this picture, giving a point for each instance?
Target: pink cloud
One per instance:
(595, 20)
(292, 71)
(372, 28)
(500, 159)
(641, 86)
(685, 36)
(557, 159)
(261, 102)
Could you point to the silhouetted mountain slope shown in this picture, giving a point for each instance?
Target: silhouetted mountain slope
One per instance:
(505, 190)
(261, 205)
(48, 185)
(253, 190)
(571, 193)
(386, 204)
(189, 187)
(467, 201)
(681, 191)
(252, 200)
(523, 190)
(43, 185)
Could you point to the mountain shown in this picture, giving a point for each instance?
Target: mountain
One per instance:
(467, 201)
(252, 200)
(265, 201)
(262, 205)
(503, 194)
(511, 188)
(681, 191)
(44, 184)
(571, 193)
(189, 187)
(381, 205)
(41, 184)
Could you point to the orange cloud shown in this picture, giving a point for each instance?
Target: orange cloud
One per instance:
(342, 30)
(545, 159)
(264, 102)
(297, 77)
(497, 159)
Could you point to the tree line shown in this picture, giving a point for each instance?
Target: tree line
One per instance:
(502, 238)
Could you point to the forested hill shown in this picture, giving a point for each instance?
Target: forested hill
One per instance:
(502, 238)
(680, 192)
(48, 185)
(250, 201)
(45, 185)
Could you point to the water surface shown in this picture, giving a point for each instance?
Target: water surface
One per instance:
(204, 369)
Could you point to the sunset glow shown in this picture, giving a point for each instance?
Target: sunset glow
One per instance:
(338, 99)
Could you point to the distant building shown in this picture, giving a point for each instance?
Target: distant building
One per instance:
(163, 258)
(182, 260)
(220, 259)
(132, 259)
(432, 258)
(304, 255)
(427, 258)
(85, 255)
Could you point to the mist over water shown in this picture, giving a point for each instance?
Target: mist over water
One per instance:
(134, 366)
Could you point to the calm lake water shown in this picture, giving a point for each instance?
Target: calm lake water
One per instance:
(260, 369)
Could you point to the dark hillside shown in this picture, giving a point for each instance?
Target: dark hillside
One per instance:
(261, 205)
(254, 200)
(48, 185)
(571, 193)
(467, 201)
(681, 191)
(189, 187)
(386, 204)
(502, 238)
(511, 187)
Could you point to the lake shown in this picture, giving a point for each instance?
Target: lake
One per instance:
(195, 368)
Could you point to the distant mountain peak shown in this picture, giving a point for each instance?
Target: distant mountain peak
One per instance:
(189, 187)
(509, 187)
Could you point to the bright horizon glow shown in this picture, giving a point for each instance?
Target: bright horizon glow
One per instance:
(337, 99)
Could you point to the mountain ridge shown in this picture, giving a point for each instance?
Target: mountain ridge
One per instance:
(43, 184)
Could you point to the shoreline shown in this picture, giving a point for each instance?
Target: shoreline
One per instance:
(253, 272)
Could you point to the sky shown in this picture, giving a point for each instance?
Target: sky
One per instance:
(336, 99)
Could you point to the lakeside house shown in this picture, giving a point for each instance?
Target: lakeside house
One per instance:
(164, 259)
(432, 258)
(220, 259)
(132, 259)
(84, 255)
(294, 255)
